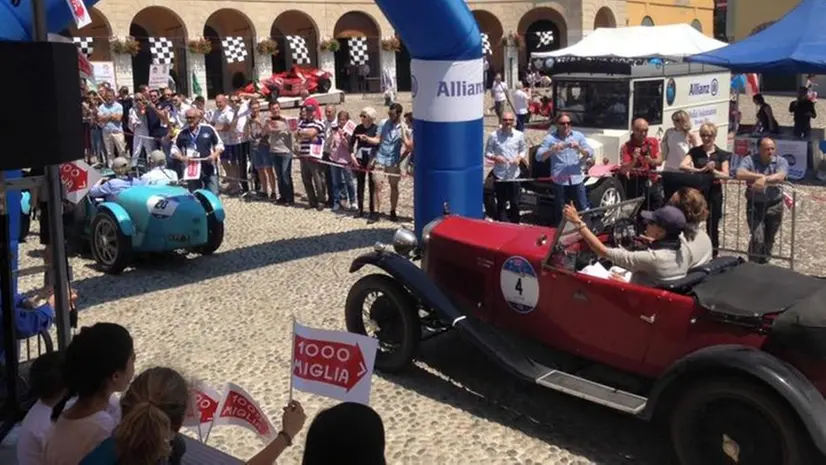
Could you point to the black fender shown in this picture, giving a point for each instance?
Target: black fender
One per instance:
(784, 379)
(414, 279)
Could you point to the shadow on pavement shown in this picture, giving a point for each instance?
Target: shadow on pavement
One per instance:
(173, 270)
(476, 385)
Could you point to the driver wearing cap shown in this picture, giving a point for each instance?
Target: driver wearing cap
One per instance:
(662, 260)
(122, 181)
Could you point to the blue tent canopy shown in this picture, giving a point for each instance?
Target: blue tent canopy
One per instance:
(795, 44)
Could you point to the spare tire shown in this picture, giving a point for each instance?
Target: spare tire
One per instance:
(324, 85)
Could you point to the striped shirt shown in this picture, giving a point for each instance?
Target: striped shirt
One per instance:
(304, 147)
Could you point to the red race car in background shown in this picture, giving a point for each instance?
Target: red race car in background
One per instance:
(291, 83)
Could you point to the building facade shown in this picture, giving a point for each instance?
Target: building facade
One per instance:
(698, 13)
(165, 31)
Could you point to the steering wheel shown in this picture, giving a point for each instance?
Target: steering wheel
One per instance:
(623, 233)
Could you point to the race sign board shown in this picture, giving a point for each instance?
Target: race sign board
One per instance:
(202, 411)
(349, 127)
(238, 408)
(333, 364)
(158, 76)
(193, 170)
(77, 178)
(316, 150)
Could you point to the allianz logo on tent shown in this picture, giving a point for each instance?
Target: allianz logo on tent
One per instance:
(695, 88)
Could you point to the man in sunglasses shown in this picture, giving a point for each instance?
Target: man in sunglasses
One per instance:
(506, 149)
(567, 150)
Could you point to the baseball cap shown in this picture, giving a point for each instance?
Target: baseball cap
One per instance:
(156, 157)
(119, 163)
(310, 107)
(669, 218)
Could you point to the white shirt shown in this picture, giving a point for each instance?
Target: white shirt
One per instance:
(159, 176)
(71, 440)
(699, 251)
(32, 436)
(675, 146)
(520, 102)
(498, 90)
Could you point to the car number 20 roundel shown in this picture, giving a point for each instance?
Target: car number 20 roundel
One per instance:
(520, 286)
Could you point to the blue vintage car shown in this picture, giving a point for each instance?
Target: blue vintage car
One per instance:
(148, 219)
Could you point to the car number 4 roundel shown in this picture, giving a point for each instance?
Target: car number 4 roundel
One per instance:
(520, 286)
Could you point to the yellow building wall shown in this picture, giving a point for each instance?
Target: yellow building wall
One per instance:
(672, 12)
(745, 15)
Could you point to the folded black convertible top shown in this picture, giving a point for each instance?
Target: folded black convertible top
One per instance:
(752, 290)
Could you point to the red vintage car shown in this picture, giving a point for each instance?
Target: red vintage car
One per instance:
(291, 83)
(732, 358)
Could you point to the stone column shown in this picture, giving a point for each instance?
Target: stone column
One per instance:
(123, 70)
(197, 67)
(263, 66)
(327, 62)
(511, 71)
(387, 61)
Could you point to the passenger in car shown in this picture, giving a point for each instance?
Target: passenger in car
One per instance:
(663, 259)
(122, 181)
(697, 243)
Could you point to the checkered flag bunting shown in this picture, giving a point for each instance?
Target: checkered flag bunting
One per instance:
(235, 50)
(163, 53)
(298, 50)
(85, 44)
(358, 50)
(486, 45)
(546, 38)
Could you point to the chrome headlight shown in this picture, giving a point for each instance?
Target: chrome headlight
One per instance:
(426, 231)
(404, 241)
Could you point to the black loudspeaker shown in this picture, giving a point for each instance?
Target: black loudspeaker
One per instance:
(41, 121)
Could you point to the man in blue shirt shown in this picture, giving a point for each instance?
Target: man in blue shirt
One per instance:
(506, 149)
(199, 141)
(122, 181)
(110, 114)
(566, 149)
(386, 165)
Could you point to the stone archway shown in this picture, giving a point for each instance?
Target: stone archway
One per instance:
(543, 29)
(359, 36)
(605, 18)
(490, 25)
(93, 39)
(297, 24)
(230, 64)
(162, 37)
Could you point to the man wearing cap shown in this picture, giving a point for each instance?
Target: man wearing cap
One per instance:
(198, 140)
(159, 174)
(122, 181)
(310, 133)
(663, 260)
(763, 173)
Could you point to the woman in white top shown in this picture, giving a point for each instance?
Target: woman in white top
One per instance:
(100, 361)
(677, 141)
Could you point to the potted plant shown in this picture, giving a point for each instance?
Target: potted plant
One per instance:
(126, 46)
(267, 46)
(200, 45)
(391, 44)
(330, 45)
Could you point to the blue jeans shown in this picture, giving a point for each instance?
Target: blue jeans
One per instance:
(283, 165)
(96, 136)
(344, 186)
(565, 194)
(209, 182)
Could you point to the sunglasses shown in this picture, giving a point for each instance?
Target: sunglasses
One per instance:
(190, 118)
(362, 116)
(706, 135)
(564, 123)
(507, 120)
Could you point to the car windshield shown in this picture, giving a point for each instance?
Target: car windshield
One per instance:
(594, 104)
(600, 220)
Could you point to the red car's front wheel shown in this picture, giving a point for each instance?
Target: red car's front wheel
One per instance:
(736, 421)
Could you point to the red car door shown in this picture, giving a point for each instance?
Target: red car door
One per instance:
(600, 319)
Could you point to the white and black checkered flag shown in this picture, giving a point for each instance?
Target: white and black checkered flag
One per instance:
(546, 38)
(358, 50)
(163, 53)
(235, 50)
(298, 50)
(486, 45)
(85, 44)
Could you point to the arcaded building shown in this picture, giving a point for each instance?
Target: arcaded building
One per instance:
(242, 36)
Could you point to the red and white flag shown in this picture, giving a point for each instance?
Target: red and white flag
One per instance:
(79, 12)
(238, 408)
(333, 364)
(349, 127)
(202, 411)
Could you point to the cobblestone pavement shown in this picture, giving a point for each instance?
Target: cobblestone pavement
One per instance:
(226, 317)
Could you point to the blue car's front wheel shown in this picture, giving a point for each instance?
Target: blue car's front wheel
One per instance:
(215, 237)
(111, 249)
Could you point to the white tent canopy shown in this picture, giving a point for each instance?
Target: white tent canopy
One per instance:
(673, 41)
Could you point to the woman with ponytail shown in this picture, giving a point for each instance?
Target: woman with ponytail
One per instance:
(99, 361)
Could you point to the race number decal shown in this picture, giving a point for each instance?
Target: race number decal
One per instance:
(161, 207)
(519, 283)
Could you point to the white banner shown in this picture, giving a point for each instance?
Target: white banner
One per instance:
(158, 76)
(448, 91)
(104, 71)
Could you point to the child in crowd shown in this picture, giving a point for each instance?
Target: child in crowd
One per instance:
(46, 381)
(100, 361)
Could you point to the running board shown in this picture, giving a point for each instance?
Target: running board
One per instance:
(506, 352)
(594, 392)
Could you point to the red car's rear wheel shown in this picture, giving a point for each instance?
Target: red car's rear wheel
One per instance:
(734, 421)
